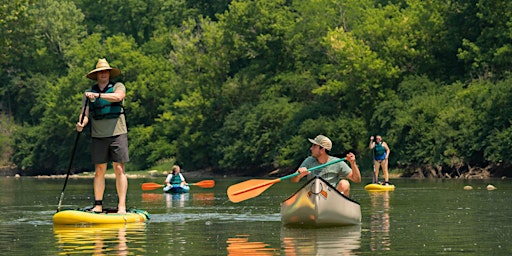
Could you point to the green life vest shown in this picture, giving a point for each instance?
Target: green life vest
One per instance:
(175, 179)
(104, 109)
(379, 150)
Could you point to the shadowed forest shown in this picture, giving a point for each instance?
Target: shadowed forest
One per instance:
(237, 87)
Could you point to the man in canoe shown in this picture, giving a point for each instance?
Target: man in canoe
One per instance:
(336, 174)
(109, 140)
(381, 152)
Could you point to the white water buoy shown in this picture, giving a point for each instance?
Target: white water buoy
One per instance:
(491, 187)
(468, 187)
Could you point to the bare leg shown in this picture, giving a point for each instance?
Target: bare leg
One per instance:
(344, 187)
(376, 165)
(121, 186)
(385, 169)
(99, 184)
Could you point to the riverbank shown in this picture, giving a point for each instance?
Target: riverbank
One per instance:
(110, 174)
(419, 173)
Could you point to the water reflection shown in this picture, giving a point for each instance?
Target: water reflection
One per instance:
(152, 198)
(175, 200)
(240, 245)
(321, 241)
(203, 199)
(379, 221)
(104, 239)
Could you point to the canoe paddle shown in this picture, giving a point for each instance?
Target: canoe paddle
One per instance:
(202, 184)
(72, 156)
(252, 188)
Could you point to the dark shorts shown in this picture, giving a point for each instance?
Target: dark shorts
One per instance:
(110, 149)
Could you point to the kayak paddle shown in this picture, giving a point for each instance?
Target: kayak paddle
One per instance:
(202, 184)
(72, 156)
(252, 188)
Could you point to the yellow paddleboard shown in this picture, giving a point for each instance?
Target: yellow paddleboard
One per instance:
(70, 217)
(379, 187)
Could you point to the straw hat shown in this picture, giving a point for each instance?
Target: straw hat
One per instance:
(100, 66)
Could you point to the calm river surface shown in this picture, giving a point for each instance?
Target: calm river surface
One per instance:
(421, 217)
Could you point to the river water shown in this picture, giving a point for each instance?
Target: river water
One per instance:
(421, 217)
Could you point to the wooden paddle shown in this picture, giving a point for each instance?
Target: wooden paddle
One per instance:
(202, 184)
(252, 188)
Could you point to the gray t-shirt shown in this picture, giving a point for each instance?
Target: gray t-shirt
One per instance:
(332, 173)
(108, 127)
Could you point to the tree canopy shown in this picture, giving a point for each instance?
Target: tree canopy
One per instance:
(237, 87)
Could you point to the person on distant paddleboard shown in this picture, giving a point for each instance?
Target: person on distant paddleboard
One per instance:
(109, 142)
(380, 157)
(336, 173)
(175, 178)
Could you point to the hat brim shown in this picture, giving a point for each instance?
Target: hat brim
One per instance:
(313, 141)
(114, 72)
(316, 143)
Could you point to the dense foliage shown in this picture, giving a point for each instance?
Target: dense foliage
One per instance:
(238, 86)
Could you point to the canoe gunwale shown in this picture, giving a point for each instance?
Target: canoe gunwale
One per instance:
(326, 183)
(328, 207)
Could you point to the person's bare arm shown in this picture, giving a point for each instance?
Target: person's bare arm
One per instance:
(355, 174)
(303, 172)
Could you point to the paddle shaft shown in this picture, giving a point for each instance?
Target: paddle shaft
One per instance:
(72, 157)
(270, 182)
(374, 176)
(202, 184)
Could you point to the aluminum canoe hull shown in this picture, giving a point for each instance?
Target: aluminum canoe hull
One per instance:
(317, 203)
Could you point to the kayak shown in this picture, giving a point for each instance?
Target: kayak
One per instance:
(317, 203)
(375, 187)
(72, 217)
(177, 189)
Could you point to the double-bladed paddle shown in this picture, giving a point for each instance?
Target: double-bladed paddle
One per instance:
(252, 188)
(202, 184)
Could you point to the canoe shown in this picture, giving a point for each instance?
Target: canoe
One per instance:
(73, 217)
(177, 189)
(376, 187)
(317, 203)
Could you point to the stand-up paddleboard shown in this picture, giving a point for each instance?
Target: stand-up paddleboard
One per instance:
(72, 217)
(379, 187)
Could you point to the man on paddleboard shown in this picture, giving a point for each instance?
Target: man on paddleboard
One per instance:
(336, 174)
(108, 131)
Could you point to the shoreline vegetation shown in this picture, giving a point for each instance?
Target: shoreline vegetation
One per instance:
(473, 174)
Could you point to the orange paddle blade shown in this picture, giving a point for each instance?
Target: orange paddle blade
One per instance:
(204, 184)
(151, 186)
(248, 189)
